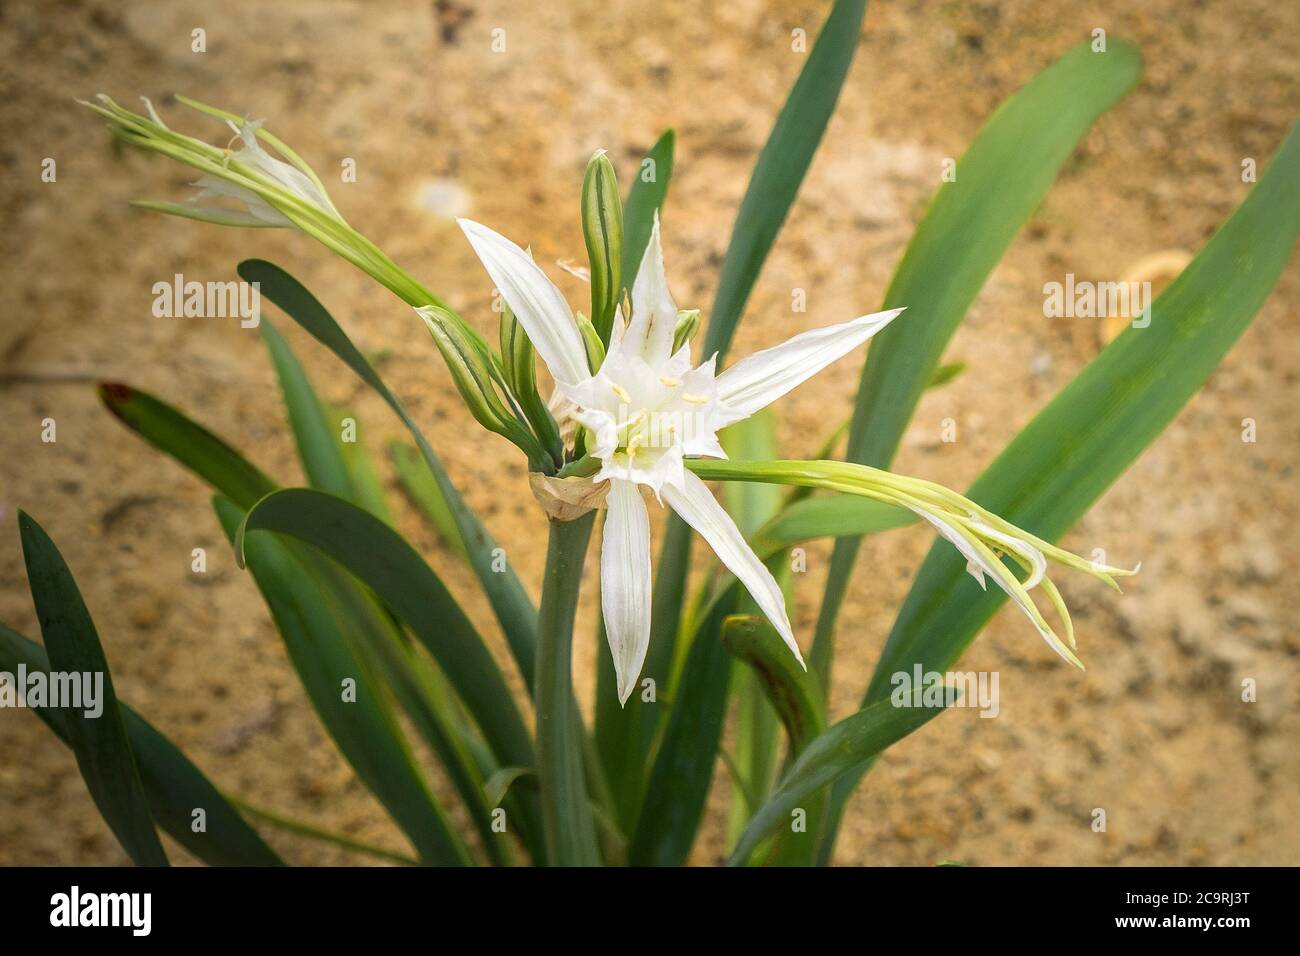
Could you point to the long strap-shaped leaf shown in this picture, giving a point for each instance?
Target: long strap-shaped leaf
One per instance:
(1078, 445)
(1001, 180)
(99, 740)
(834, 752)
(173, 785)
(777, 176)
(781, 167)
(380, 558)
(510, 602)
(222, 467)
(343, 690)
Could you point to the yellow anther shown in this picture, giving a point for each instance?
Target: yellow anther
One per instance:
(695, 399)
(621, 392)
(669, 381)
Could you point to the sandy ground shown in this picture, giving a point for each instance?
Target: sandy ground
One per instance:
(438, 124)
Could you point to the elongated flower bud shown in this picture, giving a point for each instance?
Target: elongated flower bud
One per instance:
(518, 358)
(471, 369)
(688, 323)
(602, 228)
(591, 342)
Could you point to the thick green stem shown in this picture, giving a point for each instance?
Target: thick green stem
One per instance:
(570, 827)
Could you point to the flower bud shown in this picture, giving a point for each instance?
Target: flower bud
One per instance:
(471, 369)
(602, 229)
(591, 341)
(688, 323)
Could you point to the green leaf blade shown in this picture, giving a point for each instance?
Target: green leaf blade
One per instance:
(99, 741)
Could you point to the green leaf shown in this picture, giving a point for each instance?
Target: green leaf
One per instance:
(381, 559)
(828, 516)
(570, 825)
(1001, 180)
(510, 603)
(99, 740)
(189, 443)
(644, 199)
(832, 753)
(223, 467)
(781, 167)
(777, 175)
(342, 689)
(424, 492)
(792, 690)
(683, 768)
(1098, 425)
(313, 433)
(173, 785)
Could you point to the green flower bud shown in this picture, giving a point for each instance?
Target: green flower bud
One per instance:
(471, 366)
(520, 369)
(602, 229)
(591, 341)
(688, 323)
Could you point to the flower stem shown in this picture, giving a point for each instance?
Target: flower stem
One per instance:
(570, 827)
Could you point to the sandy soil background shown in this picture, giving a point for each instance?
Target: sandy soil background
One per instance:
(1154, 731)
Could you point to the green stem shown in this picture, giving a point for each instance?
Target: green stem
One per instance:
(570, 827)
(317, 833)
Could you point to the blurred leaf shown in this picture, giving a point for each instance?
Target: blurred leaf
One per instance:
(189, 443)
(99, 741)
(173, 785)
(945, 374)
(1098, 425)
(423, 490)
(354, 713)
(644, 199)
(496, 786)
(511, 604)
(832, 753)
(313, 433)
(1001, 180)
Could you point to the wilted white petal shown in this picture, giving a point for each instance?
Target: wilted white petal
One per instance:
(1031, 555)
(654, 316)
(625, 582)
(974, 560)
(259, 210)
(762, 378)
(698, 508)
(537, 303)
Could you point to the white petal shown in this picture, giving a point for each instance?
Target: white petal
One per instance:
(765, 376)
(654, 316)
(625, 582)
(699, 509)
(974, 561)
(537, 303)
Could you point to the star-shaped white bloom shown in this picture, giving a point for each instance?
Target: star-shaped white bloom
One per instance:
(645, 410)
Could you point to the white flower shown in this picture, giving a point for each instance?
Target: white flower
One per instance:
(645, 410)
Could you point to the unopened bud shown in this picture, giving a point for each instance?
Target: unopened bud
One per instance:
(602, 229)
